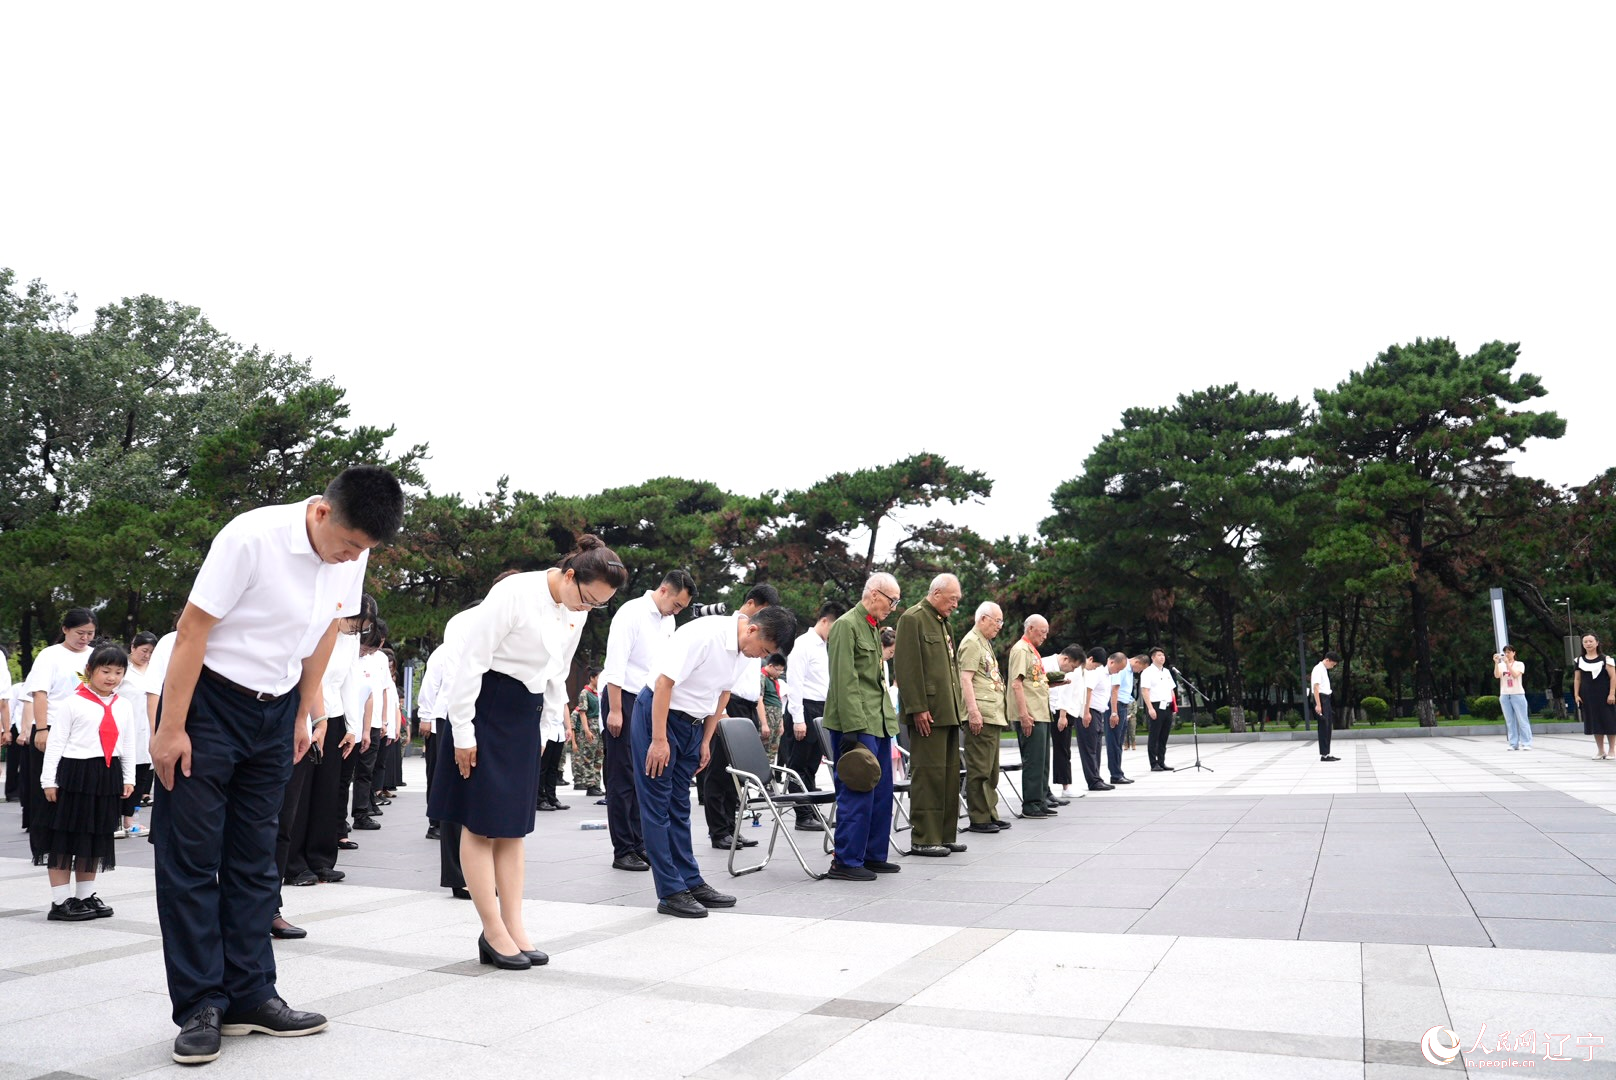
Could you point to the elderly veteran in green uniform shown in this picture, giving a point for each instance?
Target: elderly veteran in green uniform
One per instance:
(929, 696)
(983, 690)
(861, 721)
(1029, 695)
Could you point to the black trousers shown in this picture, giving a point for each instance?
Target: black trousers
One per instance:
(1089, 740)
(327, 802)
(214, 835)
(350, 768)
(143, 782)
(550, 770)
(15, 752)
(449, 873)
(717, 785)
(1061, 747)
(1326, 722)
(364, 779)
(805, 754)
(1156, 739)
(293, 826)
(431, 742)
(617, 770)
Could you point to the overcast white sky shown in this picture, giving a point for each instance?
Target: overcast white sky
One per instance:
(767, 242)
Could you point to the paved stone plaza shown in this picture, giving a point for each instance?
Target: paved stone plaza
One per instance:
(1279, 917)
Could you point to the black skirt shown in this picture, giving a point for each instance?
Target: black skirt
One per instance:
(498, 799)
(75, 831)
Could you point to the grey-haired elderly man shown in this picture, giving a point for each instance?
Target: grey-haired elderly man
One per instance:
(983, 690)
(930, 702)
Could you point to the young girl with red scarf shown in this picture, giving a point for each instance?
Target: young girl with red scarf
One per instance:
(89, 768)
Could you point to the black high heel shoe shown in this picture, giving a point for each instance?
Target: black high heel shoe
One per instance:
(486, 954)
(537, 958)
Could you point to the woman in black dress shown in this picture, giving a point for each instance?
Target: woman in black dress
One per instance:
(1594, 687)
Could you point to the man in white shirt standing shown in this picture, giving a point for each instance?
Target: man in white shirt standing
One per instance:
(1319, 696)
(717, 787)
(260, 624)
(639, 628)
(675, 716)
(1157, 689)
(1102, 700)
(800, 749)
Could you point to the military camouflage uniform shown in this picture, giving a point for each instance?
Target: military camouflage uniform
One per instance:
(586, 759)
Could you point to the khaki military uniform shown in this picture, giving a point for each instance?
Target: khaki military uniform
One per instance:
(977, 663)
(928, 679)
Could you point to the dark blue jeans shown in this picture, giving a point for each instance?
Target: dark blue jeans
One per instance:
(665, 799)
(215, 851)
(863, 818)
(1113, 741)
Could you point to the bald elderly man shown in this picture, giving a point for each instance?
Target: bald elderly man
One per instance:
(932, 704)
(1029, 696)
(983, 690)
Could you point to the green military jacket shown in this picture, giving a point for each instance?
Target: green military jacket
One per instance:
(926, 668)
(856, 700)
(976, 660)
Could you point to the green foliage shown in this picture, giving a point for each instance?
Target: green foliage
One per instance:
(1486, 707)
(1375, 709)
(1222, 715)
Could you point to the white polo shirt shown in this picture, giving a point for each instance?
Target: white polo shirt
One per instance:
(1320, 678)
(638, 631)
(273, 596)
(1098, 683)
(338, 687)
(1157, 684)
(704, 659)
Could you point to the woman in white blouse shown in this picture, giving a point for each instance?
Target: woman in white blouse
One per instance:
(134, 690)
(511, 666)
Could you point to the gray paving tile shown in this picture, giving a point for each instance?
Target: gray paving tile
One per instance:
(1407, 928)
(1499, 905)
(1199, 921)
(1024, 916)
(1567, 934)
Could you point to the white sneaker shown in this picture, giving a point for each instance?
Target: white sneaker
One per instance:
(136, 830)
(120, 835)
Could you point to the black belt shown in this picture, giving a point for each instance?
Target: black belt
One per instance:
(246, 691)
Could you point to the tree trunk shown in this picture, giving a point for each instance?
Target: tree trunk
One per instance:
(1231, 665)
(1424, 684)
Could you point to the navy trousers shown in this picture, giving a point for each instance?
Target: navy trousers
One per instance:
(618, 771)
(1089, 741)
(215, 851)
(665, 799)
(1113, 741)
(863, 818)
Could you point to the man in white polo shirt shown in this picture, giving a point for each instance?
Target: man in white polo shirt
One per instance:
(260, 624)
(675, 716)
(1319, 695)
(639, 628)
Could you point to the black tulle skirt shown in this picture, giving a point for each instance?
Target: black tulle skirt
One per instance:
(75, 831)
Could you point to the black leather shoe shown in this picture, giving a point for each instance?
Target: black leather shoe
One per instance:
(1168, 768)
(305, 878)
(536, 958)
(460, 894)
(98, 906)
(882, 866)
(594, 792)
(1100, 787)
(330, 875)
(983, 827)
(1157, 768)
(849, 873)
(1329, 757)
(809, 825)
(366, 824)
(347, 845)
(198, 1040)
(1120, 780)
(707, 896)
(70, 910)
(376, 811)
(724, 843)
(273, 1017)
(560, 805)
(1002, 825)
(932, 851)
(285, 931)
(683, 905)
(517, 961)
(544, 804)
(431, 832)
(1038, 813)
(630, 861)
(1061, 801)
(956, 848)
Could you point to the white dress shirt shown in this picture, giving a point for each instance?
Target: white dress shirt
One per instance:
(133, 690)
(20, 704)
(273, 596)
(1157, 684)
(1320, 678)
(704, 660)
(76, 733)
(810, 672)
(1098, 682)
(58, 671)
(518, 630)
(638, 631)
(157, 666)
(339, 685)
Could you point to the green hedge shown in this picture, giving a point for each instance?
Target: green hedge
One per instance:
(1486, 707)
(1376, 710)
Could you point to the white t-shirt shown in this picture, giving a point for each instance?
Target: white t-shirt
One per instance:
(1512, 682)
(704, 660)
(58, 671)
(1320, 678)
(638, 630)
(273, 595)
(133, 690)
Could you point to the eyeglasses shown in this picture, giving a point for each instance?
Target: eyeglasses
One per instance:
(582, 599)
(893, 600)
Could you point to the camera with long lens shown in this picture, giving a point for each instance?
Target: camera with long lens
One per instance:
(698, 611)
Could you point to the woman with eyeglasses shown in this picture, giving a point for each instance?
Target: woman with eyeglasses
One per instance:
(511, 665)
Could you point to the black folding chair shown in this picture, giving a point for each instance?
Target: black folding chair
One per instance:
(1013, 799)
(900, 791)
(750, 769)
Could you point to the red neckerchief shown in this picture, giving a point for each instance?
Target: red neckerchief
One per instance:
(109, 726)
(871, 620)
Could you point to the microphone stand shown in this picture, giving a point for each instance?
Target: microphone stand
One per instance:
(1195, 730)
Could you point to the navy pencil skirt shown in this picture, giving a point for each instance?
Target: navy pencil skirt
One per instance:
(499, 797)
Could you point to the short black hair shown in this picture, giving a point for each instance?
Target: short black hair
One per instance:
(1073, 652)
(889, 637)
(595, 669)
(376, 636)
(75, 617)
(145, 637)
(1154, 649)
(1097, 654)
(1333, 655)
(775, 660)
(367, 498)
(680, 581)
(107, 656)
(776, 623)
(764, 595)
(832, 609)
